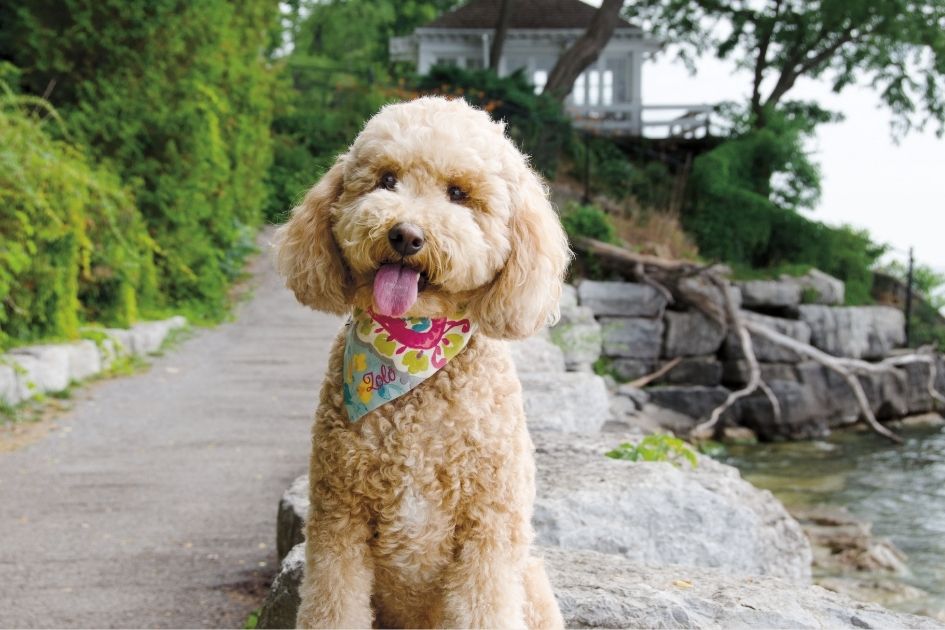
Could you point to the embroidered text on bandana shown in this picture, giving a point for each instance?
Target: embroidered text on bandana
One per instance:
(386, 357)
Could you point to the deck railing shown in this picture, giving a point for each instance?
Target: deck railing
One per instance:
(689, 121)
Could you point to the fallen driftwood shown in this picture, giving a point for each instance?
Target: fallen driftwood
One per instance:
(666, 275)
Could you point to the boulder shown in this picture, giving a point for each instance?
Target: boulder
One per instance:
(860, 332)
(282, 601)
(536, 354)
(918, 397)
(640, 397)
(293, 512)
(818, 287)
(632, 337)
(802, 412)
(691, 333)
(9, 387)
(149, 336)
(565, 401)
(623, 299)
(568, 297)
(649, 511)
(631, 369)
(765, 350)
(596, 590)
(578, 335)
(695, 401)
(770, 294)
(887, 393)
(42, 369)
(694, 371)
(85, 360)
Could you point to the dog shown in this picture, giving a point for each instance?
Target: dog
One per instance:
(421, 506)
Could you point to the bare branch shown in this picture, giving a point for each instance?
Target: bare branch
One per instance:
(643, 381)
(705, 429)
(840, 366)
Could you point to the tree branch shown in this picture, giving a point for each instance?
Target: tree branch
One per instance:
(762, 60)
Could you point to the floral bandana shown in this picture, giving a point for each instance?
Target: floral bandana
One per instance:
(386, 357)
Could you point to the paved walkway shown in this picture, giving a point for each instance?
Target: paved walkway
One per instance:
(153, 504)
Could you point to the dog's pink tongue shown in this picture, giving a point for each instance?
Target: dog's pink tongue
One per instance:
(395, 289)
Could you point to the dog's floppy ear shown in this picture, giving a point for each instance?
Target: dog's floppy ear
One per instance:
(307, 254)
(524, 295)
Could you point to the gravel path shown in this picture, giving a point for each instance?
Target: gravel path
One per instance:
(153, 502)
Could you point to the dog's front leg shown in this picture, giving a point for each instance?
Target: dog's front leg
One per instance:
(339, 574)
(484, 586)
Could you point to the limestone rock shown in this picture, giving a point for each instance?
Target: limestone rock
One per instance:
(568, 297)
(821, 288)
(695, 401)
(536, 354)
(596, 590)
(768, 351)
(803, 414)
(860, 332)
(691, 333)
(578, 335)
(9, 387)
(84, 359)
(44, 369)
(650, 511)
(770, 294)
(565, 401)
(632, 337)
(624, 299)
(705, 371)
(293, 512)
(282, 602)
(632, 369)
(639, 396)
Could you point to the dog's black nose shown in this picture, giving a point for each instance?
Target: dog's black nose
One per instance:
(406, 239)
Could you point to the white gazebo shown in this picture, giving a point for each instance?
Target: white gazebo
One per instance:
(606, 97)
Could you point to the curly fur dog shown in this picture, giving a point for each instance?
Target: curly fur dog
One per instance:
(421, 510)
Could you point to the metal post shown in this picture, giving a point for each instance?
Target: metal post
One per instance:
(909, 281)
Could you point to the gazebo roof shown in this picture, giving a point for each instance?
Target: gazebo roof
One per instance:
(526, 14)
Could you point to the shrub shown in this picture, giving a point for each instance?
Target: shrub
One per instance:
(74, 247)
(537, 123)
(745, 194)
(177, 98)
(656, 448)
(588, 221)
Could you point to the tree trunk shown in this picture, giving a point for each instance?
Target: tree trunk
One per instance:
(584, 51)
(498, 40)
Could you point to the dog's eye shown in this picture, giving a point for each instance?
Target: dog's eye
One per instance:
(388, 181)
(457, 194)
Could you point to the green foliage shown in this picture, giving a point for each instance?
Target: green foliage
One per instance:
(610, 170)
(656, 448)
(894, 46)
(337, 75)
(536, 122)
(927, 325)
(737, 215)
(176, 97)
(588, 221)
(74, 247)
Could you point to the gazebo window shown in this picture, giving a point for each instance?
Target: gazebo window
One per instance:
(539, 79)
(577, 94)
(607, 88)
(593, 88)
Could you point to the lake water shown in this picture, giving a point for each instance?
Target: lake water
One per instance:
(899, 489)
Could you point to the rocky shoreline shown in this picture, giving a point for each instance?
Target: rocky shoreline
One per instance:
(627, 330)
(634, 544)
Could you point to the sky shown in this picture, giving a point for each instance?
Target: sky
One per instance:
(896, 191)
